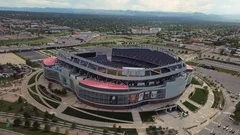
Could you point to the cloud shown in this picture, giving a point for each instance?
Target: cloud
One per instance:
(205, 6)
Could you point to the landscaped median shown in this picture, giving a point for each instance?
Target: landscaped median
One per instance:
(199, 96)
(196, 81)
(79, 114)
(190, 106)
(219, 69)
(126, 116)
(236, 113)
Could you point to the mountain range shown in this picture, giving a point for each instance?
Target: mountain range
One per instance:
(194, 15)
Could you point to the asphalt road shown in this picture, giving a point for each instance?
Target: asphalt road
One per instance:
(220, 64)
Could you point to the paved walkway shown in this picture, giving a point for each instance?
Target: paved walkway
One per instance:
(201, 118)
(198, 118)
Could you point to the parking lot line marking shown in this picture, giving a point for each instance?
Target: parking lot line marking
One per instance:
(214, 122)
(207, 129)
(227, 113)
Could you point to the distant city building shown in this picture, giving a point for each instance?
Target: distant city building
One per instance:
(146, 31)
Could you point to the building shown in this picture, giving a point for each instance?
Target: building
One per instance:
(130, 78)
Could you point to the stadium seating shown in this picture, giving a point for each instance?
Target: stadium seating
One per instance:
(145, 55)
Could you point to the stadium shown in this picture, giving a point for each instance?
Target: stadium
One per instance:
(127, 78)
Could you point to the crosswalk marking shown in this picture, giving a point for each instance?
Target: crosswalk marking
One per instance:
(227, 113)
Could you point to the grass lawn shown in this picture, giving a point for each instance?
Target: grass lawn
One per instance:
(37, 98)
(127, 116)
(78, 114)
(32, 79)
(33, 88)
(27, 131)
(232, 72)
(15, 108)
(195, 81)
(53, 104)
(190, 106)
(191, 63)
(39, 75)
(147, 116)
(50, 53)
(199, 96)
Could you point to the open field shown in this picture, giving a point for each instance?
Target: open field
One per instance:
(31, 42)
(199, 96)
(11, 58)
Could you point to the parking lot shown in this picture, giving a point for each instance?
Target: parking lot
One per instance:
(231, 83)
(32, 55)
(225, 129)
(219, 64)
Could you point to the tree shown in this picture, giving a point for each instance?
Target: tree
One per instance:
(105, 131)
(21, 109)
(20, 100)
(27, 124)
(115, 128)
(119, 129)
(57, 130)
(26, 115)
(222, 51)
(74, 125)
(9, 108)
(47, 128)
(17, 122)
(66, 132)
(35, 125)
(35, 108)
(46, 114)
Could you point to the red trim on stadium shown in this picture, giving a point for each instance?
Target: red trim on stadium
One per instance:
(104, 85)
(117, 107)
(189, 68)
(50, 61)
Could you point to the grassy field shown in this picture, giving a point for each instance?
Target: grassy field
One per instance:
(32, 79)
(191, 63)
(78, 114)
(27, 131)
(48, 52)
(33, 88)
(190, 106)
(53, 104)
(37, 98)
(223, 70)
(57, 34)
(127, 116)
(200, 96)
(32, 42)
(147, 116)
(195, 81)
(39, 75)
(15, 108)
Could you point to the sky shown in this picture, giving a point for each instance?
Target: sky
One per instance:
(204, 6)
